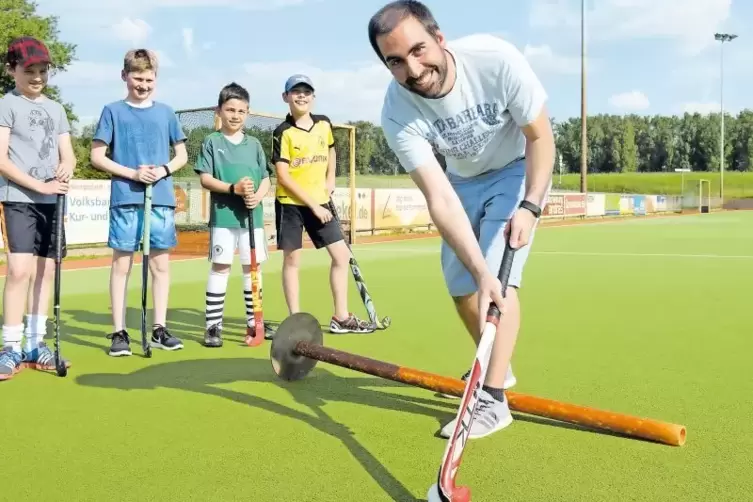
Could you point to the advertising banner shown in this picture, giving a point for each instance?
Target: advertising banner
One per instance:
(595, 204)
(575, 204)
(555, 206)
(399, 207)
(612, 206)
(87, 212)
(342, 201)
(639, 205)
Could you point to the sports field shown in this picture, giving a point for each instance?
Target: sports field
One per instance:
(649, 317)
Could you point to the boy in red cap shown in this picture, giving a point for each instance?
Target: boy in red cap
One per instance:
(36, 164)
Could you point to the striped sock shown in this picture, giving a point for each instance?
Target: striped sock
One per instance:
(248, 297)
(215, 297)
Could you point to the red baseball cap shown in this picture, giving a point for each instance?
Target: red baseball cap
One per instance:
(26, 51)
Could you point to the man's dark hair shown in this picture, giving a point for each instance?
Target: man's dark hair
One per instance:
(232, 91)
(392, 14)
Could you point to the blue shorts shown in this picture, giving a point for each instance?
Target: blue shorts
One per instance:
(489, 200)
(127, 226)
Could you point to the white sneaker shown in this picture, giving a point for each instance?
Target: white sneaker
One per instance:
(490, 416)
(509, 382)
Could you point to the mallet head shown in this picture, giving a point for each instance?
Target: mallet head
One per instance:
(299, 327)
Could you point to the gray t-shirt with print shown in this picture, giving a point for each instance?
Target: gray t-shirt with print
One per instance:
(35, 127)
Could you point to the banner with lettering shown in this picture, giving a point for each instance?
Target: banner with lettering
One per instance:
(87, 212)
(399, 207)
(575, 204)
(595, 204)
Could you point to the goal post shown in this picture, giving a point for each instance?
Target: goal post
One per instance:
(197, 123)
(704, 196)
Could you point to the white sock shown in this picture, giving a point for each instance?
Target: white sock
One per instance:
(12, 336)
(36, 329)
(248, 297)
(215, 297)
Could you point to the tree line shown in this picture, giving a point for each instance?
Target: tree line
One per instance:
(616, 143)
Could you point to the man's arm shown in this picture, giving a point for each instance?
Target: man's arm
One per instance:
(526, 102)
(11, 171)
(540, 150)
(448, 215)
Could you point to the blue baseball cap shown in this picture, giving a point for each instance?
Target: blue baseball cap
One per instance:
(296, 80)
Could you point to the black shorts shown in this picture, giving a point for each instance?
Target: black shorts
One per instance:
(30, 228)
(291, 220)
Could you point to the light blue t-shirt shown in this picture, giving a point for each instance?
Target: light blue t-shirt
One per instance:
(476, 126)
(139, 136)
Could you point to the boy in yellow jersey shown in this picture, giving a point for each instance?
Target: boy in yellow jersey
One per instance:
(303, 153)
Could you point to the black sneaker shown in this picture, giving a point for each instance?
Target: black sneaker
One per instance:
(213, 336)
(120, 344)
(162, 339)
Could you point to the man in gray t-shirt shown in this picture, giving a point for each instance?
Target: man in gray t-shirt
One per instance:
(36, 163)
(33, 144)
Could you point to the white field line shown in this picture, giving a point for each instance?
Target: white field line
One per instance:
(640, 255)
(385, 246)
(587, 253)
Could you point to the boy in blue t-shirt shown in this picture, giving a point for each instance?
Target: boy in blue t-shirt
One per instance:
(139, 133)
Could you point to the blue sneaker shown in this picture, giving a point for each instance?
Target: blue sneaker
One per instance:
(10, 363)
(41, 358)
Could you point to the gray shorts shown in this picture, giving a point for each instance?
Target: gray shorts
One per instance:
(489, 200)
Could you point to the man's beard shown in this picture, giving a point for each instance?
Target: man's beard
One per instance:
(436, 89)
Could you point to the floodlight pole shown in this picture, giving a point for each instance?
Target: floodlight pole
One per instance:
(722, 37)
(583, 128)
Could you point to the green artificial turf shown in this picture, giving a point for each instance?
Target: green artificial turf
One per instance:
(646, 317)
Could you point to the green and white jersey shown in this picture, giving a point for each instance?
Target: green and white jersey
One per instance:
(229, 162)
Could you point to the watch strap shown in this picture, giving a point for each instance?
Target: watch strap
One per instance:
(536, 210)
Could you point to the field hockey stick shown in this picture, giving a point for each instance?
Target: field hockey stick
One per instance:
(257, 338)
(145, 347)
(60, 367)
(453, 454)
(360, 282)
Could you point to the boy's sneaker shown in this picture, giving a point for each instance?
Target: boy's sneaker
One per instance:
(162, 339)
(350, 325)
(490, 416)
(509, 382)
(120, 343)
(41, 358)
(10, 363)
(213, 336)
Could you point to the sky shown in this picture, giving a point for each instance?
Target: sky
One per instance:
(643, 56)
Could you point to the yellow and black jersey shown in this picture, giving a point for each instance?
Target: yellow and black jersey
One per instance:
(307, 154)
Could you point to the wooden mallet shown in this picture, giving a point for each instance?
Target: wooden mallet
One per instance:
(298, 346)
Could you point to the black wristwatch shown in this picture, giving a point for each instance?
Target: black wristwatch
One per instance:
(536, 210)
(232, 189)
(167, 171)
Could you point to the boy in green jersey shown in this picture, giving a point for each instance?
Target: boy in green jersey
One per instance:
(233, 167)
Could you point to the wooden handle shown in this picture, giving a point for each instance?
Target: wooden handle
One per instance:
(637, 427)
